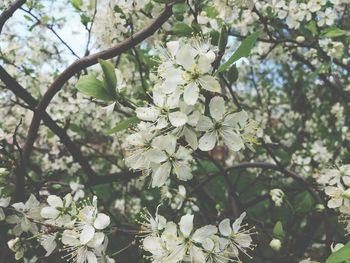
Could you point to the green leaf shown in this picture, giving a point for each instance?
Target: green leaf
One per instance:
(77, 3)
(278, 231)
(75, 128)
(341, 255)
(84, 19)
(211, 11)
(180, 8)
(110, 79)
(303, 202)
(332, 32)
(242, 51)
(182, 29)
(91, 86)
(124, 125)
(311, 26)
(232, 74)
(214, 36)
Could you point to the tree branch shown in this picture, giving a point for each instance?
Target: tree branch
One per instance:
(9, 12)
(76, 67)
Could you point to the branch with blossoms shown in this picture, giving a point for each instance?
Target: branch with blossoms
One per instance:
(210, 113)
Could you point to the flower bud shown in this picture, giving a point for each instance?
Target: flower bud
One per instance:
(346, 194)
(276, 244)
(300, 39)
(319, 207)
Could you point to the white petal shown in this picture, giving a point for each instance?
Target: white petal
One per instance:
(196, 254)
(243, 240)
(183, 172)
(217, 107)
(207, 142)
(178, 119)
(191, 138)
(160, 175)
(19, 206)
(153, 244)
(204, 64)
(236, 118)
(210, 83)
(55, 201)
(208, 244)
(102, 221)
(97, 240)
(147, 113)
(91, 257)
(70, 237)
(237, 224)
(87, 234)
(204, 123)
(185, 57)
(186, 224)
(225, 228)
(156, 155)
(335, 202)
(233, 141)
(49, 243)
(5, 201)
(204, 232)
(49, 212)
(173, 47)
(191, 94)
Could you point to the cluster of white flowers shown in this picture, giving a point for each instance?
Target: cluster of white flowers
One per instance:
(336, 183)
(163, 142)
(75, 229)
(168, 242)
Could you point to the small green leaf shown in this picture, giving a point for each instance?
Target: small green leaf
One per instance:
(180, 8)
(110, 79)
(242, 51)
(91, 86)
(311, 26)
(84, 19)
(332, 32)
(340, 255)
(211, 11)
(75, 128)
(124, 125)
(278, 231)
(77, 3)
(182, 29)
(232, 74)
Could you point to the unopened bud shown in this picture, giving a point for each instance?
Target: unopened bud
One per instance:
(276, 244)
(300, 39)
(319, 207)
(346, 194)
